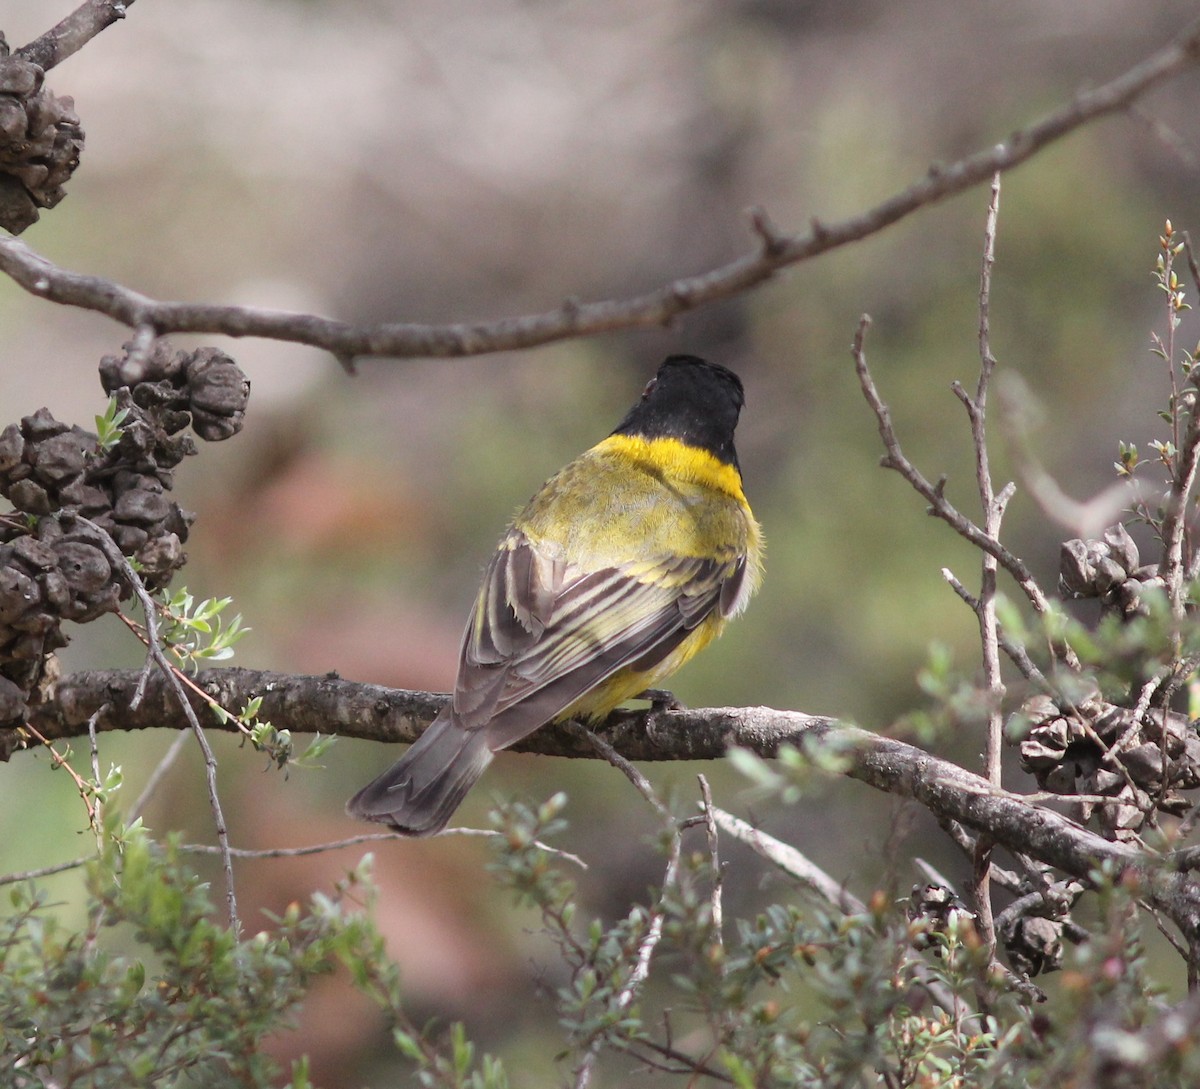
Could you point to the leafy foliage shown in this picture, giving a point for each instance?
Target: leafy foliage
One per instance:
(195, 631)
(154, 992)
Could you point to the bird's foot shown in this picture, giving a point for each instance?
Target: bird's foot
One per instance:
(662, 700)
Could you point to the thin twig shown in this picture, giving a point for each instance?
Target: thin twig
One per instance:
(773, 251)
(491, 833)
(60, 761)
(1082, 519)
(1168, 138)
(1016, 652)
(1174, 527)
(115, 556)
(992, 506)
(285, 852)
(935, 876)
(934, 494)
(640, 782)
(44, 871)
(1193, 570)
(95, 747)
(710, 828)
(366, 837)
(158, 774)
(687, 1064)
(792, 861)
(1190, 254)
(1176, 942)
(1040, 797)
(98, 815)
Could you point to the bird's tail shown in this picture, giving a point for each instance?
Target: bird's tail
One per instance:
(420, 792)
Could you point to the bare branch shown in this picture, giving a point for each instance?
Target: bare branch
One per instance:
(331, 705)
(1167, 138)
(950, 793)
(44, 871)
(791, 861)
(74, 32)
(1184, 458)
(775, 251)
(1016, 652)
(640, 783)
(710, 829)
(284, 852)
(992, 506)
(158, 774)
(1083, 519)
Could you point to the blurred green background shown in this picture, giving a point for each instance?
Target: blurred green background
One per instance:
(377, 160)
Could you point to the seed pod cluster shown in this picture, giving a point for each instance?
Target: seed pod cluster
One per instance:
(1109, 569)
(40, 143)
(54, 573)
(52, 567)
(204, 388)
(1141, 764)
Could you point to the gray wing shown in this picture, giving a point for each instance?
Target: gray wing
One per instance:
(544, 633)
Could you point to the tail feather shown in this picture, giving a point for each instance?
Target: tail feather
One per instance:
(420, 792)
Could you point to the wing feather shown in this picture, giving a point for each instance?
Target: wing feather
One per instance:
(544, 632)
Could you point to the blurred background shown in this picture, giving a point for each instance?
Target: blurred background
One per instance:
(381, 160)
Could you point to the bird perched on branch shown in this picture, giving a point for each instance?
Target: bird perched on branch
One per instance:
(625, 564)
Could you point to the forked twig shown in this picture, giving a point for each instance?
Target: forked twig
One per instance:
(934, 494)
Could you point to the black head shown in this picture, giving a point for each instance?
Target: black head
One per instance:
(691, 400)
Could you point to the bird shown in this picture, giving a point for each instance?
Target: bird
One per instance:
(624, 564)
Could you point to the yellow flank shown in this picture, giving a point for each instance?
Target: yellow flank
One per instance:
(642, 505)
(626, 684)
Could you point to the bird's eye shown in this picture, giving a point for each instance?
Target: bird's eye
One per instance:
(649, 388)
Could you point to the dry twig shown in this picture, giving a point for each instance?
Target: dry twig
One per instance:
(641, 969)
(73, 33)
(155, 653)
